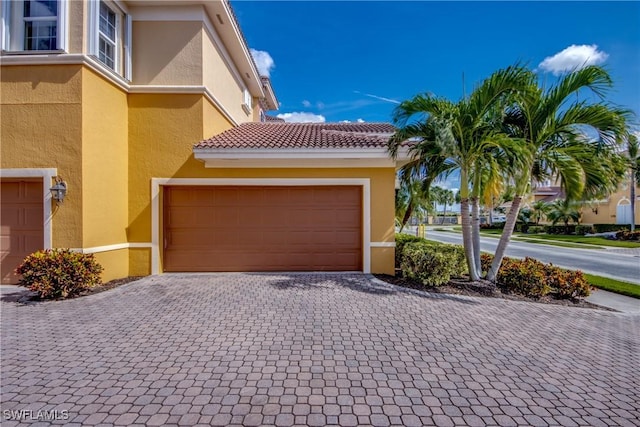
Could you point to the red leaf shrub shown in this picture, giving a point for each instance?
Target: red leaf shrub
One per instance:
(533, 278)
(525, 277)
(59, 273)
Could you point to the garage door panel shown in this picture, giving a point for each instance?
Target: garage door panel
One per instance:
(225, 197)
(347, 218)
(225, 216)
(268, 228)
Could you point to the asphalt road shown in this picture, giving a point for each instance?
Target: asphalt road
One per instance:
(615, 263)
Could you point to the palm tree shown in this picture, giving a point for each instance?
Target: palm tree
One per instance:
(565, 211)
(416, 178)
(540, 210)
(443, 196)
(409, 199)
(572, 140)
(463, 133)
(633, 156)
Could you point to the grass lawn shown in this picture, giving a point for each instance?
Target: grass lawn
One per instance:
(568, 241)
(555, 243)
(581, 240)
(613, 285)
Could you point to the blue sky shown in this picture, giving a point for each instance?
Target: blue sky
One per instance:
(335, 61)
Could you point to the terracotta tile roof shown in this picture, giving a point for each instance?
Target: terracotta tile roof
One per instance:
(302, 135)
(548, 190)
(268, 118)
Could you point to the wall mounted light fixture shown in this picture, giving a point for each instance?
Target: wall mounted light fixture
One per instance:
(59, 190)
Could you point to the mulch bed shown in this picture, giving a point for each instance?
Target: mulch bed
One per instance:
(483, 288)
(95, 290)
(110, 285)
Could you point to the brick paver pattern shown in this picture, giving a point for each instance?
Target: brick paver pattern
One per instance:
(315, 349)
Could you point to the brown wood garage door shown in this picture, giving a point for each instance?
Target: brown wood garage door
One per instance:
(274, 228)
(21, 223)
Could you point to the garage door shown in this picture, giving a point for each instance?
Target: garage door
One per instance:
(22, 230)
(263, 228)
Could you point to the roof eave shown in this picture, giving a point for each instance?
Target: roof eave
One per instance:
(296, 157)
(270, 96)
(234, 41)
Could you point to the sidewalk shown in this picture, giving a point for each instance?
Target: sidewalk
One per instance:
(618, 302)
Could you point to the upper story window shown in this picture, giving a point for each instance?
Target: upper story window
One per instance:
(246, 101)
(107, 36)
(110, 35)
(33, 25)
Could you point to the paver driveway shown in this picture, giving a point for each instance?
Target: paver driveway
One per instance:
(315, 349)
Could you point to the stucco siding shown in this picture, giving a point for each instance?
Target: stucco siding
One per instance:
(221, 82)
(167, 53)
(41, 127)
(605, 212)
(105, 159)
(77, 39)
(162, 132)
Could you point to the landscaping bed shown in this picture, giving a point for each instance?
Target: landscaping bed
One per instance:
(34, 297)
(461, 286)
(437, 267)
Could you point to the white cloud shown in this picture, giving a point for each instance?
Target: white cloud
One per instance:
(573, 58)
(264, 61)
(306, 103)
(301, 117)
(359, 121)
(344, 121)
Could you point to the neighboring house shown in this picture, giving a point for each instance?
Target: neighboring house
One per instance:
(615, 209)
(109, 97)
(547, 193)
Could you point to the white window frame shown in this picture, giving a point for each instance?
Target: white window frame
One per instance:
(122, 60)
(12, 30)
(247, 100)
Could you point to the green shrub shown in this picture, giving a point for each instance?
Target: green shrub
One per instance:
(559, 229)
(535, 229)
(493, 226)
(581, 230)
(401, 240)
(433, 264)
(605, 228)
(59, 273)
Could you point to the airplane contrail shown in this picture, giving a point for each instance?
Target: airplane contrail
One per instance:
(381, 98)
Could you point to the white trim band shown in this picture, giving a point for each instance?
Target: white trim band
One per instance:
(113, 77)
(109, 248)
(383, 244)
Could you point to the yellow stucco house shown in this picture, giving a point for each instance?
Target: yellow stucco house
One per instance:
(126, 103)
(615, 209)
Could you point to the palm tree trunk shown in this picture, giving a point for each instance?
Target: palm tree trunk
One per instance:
(467, 243)
(444, 214)
(509, 226)
(407, 214)
(475, 231)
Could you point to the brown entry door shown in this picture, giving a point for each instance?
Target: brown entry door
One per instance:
(255, 228)
(22, 225)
